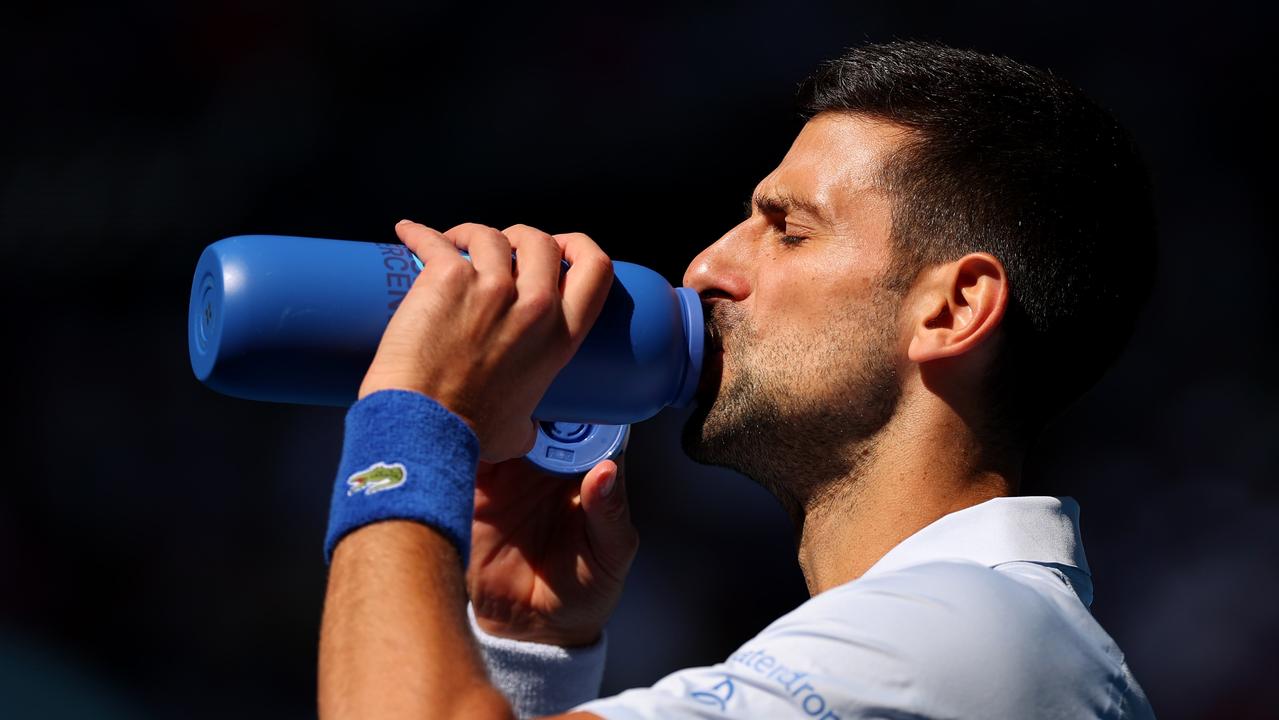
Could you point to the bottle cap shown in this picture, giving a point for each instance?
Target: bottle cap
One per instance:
(695, 335)
(571, 448)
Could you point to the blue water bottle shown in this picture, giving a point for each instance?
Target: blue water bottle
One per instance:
(298, 320)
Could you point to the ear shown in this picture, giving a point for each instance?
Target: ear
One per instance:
(959, 305)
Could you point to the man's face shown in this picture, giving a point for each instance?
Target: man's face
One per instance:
(794, 296)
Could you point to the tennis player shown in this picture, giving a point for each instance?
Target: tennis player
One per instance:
(955, 247)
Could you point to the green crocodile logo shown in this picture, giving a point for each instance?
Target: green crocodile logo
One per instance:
(377, 477)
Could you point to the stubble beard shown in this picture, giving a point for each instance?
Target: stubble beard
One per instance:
(797, 445)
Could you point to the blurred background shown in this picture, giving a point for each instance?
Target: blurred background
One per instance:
(160, 545)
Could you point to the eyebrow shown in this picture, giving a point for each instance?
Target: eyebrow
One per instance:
(784, 204)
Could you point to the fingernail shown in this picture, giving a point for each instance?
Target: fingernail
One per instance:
(609, 482)
(402, 222)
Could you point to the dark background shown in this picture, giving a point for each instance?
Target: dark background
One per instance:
(160, 545)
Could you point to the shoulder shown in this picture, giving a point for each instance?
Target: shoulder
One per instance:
(958, 631)
(989, 602)
(940, 612)
(943, 639)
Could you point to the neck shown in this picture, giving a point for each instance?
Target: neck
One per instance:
(908, 475)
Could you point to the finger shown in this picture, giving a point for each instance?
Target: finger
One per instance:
(612, 537)
(423, 241)
(512, 442)
(530, 438)
(489, 249)
(586, 284)
(537, 257)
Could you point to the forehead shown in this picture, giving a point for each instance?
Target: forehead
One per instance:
(835, 162)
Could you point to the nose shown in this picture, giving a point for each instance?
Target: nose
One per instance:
(721, 270)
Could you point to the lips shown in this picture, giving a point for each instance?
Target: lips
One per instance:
(712, 372)
(712, 334)
(713, 359)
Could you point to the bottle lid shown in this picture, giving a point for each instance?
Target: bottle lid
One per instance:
(695, 334)
(571, 448)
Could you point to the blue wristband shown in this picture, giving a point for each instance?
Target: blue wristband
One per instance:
(405, 457)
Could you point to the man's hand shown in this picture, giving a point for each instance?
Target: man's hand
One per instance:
(484, 340)
(549, 555)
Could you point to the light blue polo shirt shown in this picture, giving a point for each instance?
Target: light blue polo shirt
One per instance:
(982, 614)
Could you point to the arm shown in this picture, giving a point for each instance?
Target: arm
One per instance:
(485, 345)
(395, 640)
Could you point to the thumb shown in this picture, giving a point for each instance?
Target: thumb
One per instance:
(608, 516)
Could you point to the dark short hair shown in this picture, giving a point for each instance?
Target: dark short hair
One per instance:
(1014, 161)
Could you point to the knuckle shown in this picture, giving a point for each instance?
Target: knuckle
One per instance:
(585, 243)
(469, 227)
(544, 239)
(537, 304)
(616, 511)
(527, 234)
(602, 262)
(555, 247)
(469, 232)
(521, 229)
(497, 287)
(630, 545)
(451, 268)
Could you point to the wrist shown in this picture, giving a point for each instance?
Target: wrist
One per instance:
(382, 383)
(405, 457)
(567, 637)
(538, 678)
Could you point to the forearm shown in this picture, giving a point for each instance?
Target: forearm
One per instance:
(394, 640)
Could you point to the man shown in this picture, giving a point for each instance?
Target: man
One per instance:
(954, 247)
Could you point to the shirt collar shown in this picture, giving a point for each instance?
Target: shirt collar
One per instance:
(1043, 530)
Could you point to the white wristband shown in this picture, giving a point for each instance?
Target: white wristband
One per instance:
(540, 679)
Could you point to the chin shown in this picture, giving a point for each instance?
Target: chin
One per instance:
(708, 438)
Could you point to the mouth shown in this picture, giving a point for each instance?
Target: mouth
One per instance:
(712, 374)
(712, 361)
(714, 338)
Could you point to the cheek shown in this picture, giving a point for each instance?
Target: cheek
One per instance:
(798, 303)
(804, 312)
(809, 313)
(791, 354)
(816, 342)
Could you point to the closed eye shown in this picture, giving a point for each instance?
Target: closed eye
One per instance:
(769, 206)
